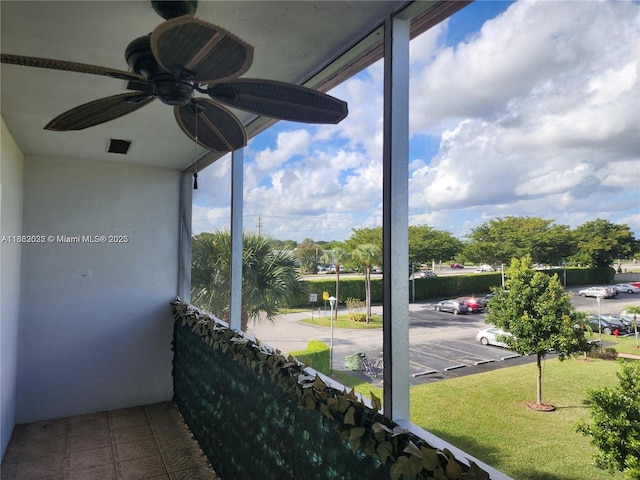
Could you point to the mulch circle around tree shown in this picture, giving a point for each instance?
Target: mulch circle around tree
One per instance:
(541, 408)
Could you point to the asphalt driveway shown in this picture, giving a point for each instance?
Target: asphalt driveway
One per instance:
(442, 345)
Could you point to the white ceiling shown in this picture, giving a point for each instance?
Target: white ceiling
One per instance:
(294, 41)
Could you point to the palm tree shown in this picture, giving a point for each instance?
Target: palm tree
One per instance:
(338, 256)
(269, 276)
(367, 254)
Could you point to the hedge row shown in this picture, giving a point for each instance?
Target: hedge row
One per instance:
(316, 356)
(443, 286)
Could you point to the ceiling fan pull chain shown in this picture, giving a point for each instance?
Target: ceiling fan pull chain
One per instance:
(195, 153)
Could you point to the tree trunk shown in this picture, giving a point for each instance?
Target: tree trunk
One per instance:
(367, 291)
(335, 313)
(539, 381)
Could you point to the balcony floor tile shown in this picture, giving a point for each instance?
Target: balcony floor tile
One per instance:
(144, 442)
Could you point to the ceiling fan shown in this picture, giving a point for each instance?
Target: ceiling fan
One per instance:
(182, 56)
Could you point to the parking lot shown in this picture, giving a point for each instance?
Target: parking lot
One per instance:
(441, 345)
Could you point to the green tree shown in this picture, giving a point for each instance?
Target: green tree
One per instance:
(615, 423)
(364, 236)
(285, 244)
(426, 244)
(500, 240)
(337, 256)
(308, 253)
(538, 314)
(367, 255)
(269, 276)
(600, 243)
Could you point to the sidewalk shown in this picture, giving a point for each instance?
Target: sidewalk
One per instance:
(629, 355)
(288, 334)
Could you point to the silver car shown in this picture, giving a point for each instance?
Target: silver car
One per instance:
(452, 306)
(489, 336)
(626, 288)
(603, 292)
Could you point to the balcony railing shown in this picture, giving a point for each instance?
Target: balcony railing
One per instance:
(258, 413)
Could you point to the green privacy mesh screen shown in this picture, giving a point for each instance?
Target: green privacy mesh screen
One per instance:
(260, 415)
(250, 428)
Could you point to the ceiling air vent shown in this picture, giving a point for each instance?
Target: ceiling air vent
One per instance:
(119, 146)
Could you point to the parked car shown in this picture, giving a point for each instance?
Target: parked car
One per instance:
(597, 292)
(456, 265)
(488, 297)
(608, 325)
(473, 304)
(484, 268)
(452, 306)
(626, 288)
(426, 274)
(489, 336)
(628, 317)
(618, 318)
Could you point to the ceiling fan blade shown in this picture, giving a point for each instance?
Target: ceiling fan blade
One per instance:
(205, 50)
(279, 100)
(217, 128)
(99, 111)
(68, 66)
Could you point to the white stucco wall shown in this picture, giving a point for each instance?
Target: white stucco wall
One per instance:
(11, 186)
(95, 326)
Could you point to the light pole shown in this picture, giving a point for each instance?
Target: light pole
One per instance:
(599, 298)
(332, 302)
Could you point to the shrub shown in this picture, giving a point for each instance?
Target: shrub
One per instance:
(607, 353)
(315, 356)
(615, 416)
(354, 303)
(358, 317)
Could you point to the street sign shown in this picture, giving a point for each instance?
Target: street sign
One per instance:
(325, 295)
(313, 297)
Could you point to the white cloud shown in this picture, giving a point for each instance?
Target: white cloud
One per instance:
(208, 219)
(288, 144)
(537, 114)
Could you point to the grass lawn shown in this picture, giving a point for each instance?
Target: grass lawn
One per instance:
(486, 415)
(344, 322)
(362, 387)
(625, 344)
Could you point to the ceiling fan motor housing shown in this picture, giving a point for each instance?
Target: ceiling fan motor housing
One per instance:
(174, 90)
(168, 9)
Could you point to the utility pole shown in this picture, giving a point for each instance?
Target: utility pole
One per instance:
(259, 225)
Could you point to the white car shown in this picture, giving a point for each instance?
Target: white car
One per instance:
(485, 268)
(626, 288)
(489, 336)
(603, 292)
(426, 274)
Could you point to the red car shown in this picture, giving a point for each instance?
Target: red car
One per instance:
(474, 304)
(456, 265)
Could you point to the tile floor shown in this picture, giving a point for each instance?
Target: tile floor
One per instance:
(150, 442)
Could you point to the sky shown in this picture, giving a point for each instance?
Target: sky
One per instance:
(528, 108)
